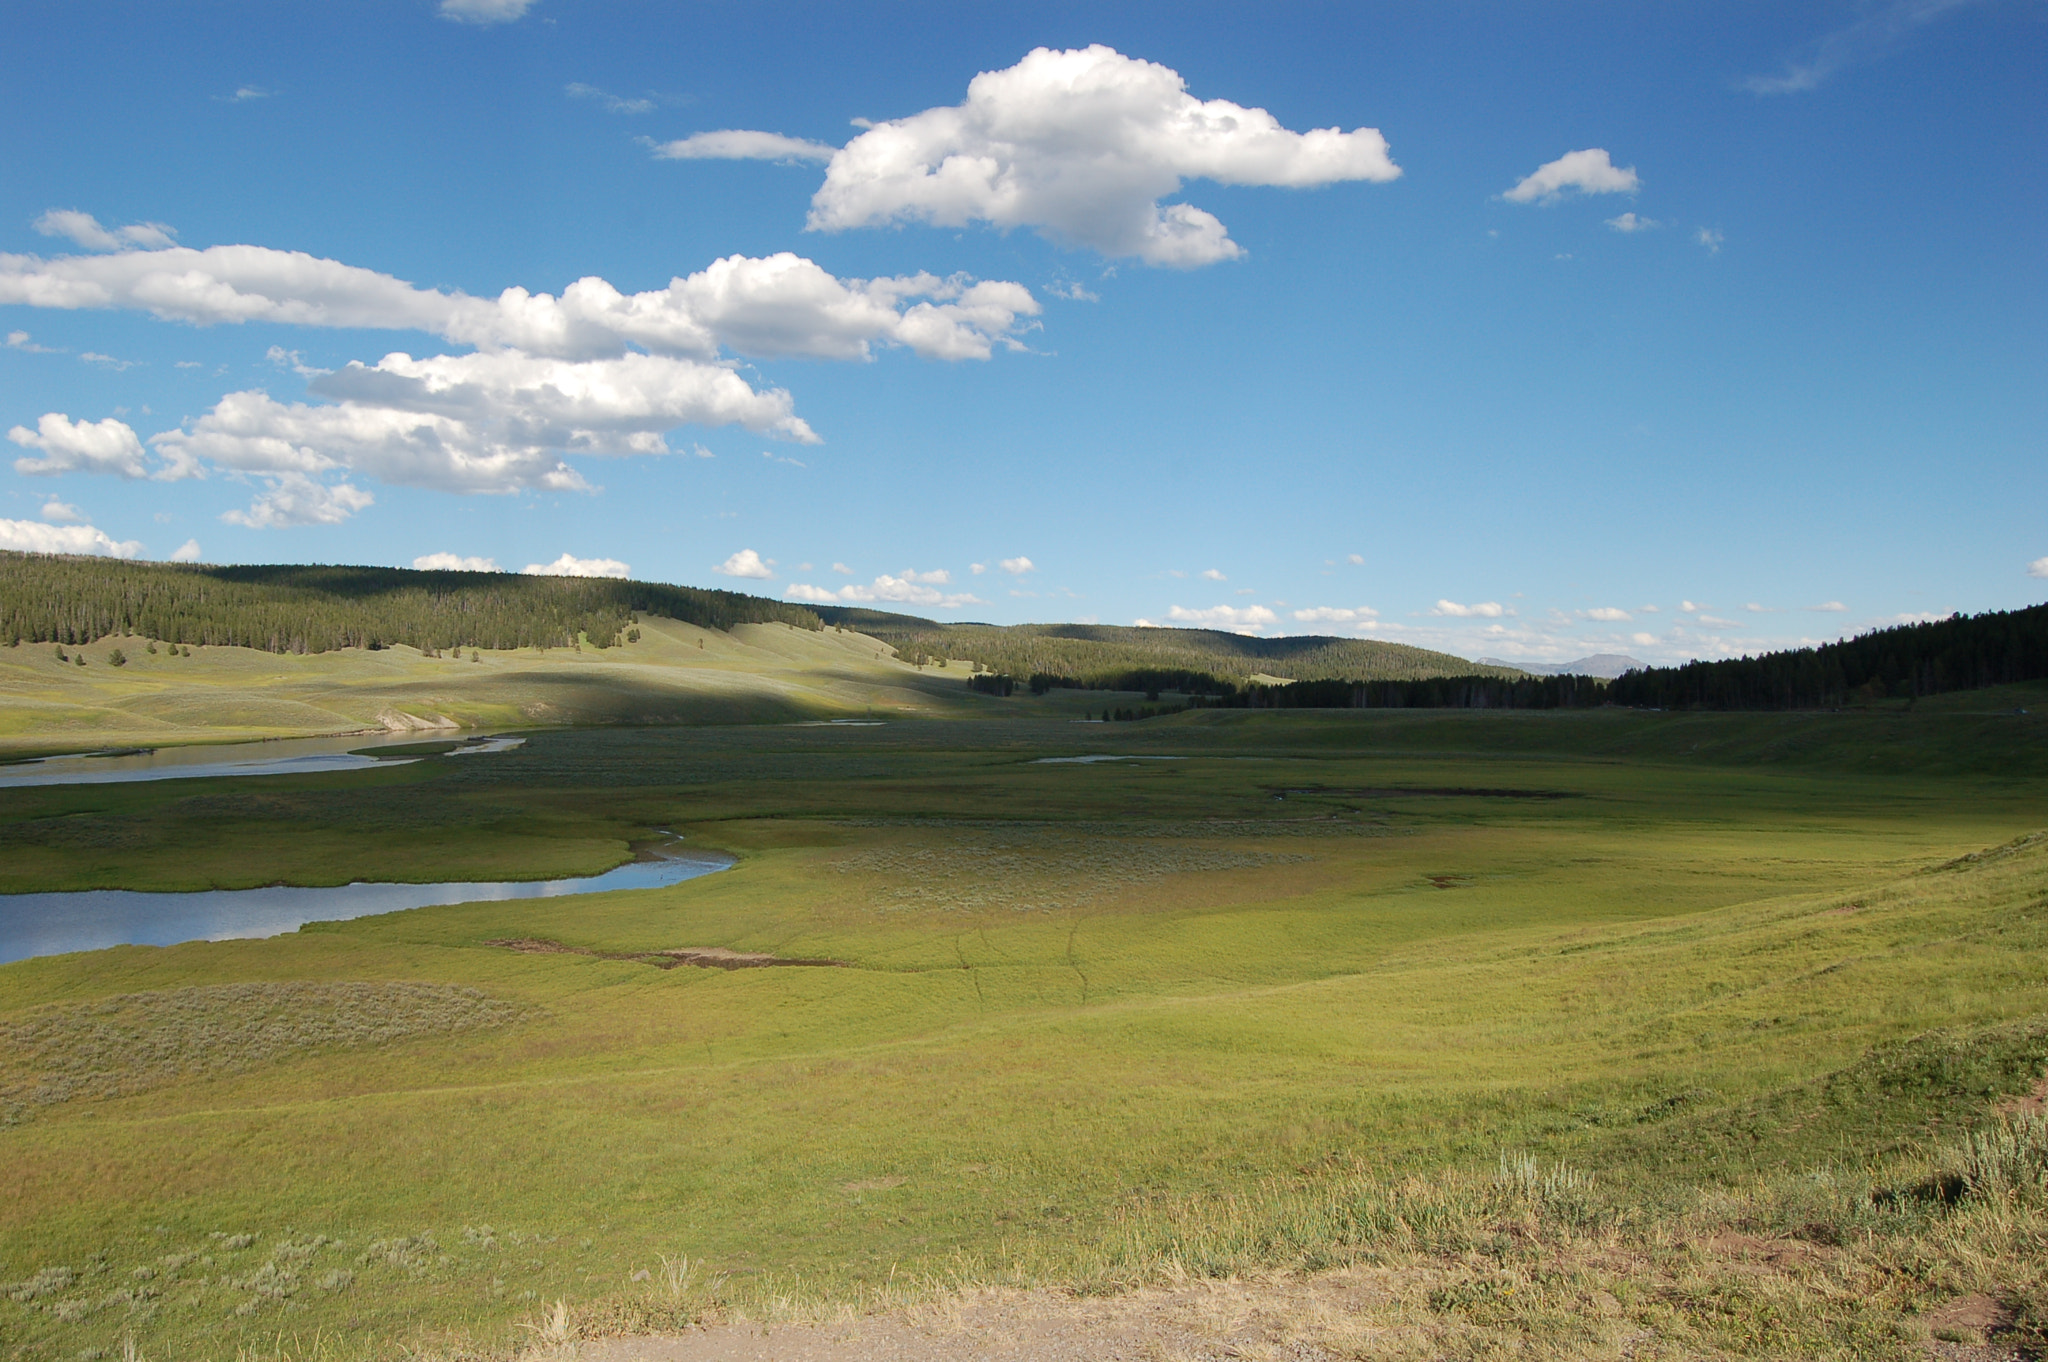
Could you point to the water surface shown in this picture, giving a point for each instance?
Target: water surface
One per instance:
(91, 919)
(277, 757)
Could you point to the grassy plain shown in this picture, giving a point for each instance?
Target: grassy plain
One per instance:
(1284, 1000)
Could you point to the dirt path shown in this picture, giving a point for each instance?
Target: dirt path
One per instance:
(1300, 1320)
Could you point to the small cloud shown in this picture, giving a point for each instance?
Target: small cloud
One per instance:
(773, 457)
(107, 361)
(107, 446)
(976, 568)
(1213, 575)
(1488, 610)
(936, 577)
(1355, 559)
(735, 144)
(2038, 568)
(746, 563)
(1756, 609)
(1607, 614)
(1711, 238)
(612, 103)
(1715, 622)
(1642, 640)
(244, 94)
(1629, 222)
(187, 552)
(1239, 619)
(1881, 28)
(290, 359)
(83, 229)
(484, 13)
(1649, 610)
(1245, 591)
(845, 571)
(19, 340)
(1584, 172)
(187, 364)
(1073, 293)
(58, 513)
(1017, 567)
(1332, 614)
(1837, 608)
(451, 562)
(567, 566)
(1143, 624)
(1692, 607)
(701, 452)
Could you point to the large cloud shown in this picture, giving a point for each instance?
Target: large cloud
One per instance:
(592, 372)
(1082, 146)
(33, 536)
(69, 446)
(779, 305)
(484, 422)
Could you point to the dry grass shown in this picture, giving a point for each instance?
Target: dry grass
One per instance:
(135, 1042)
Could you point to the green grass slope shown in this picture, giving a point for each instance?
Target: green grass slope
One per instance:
(674, 673)
(1282, 1002)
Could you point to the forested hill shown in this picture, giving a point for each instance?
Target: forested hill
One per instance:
(1108, 657)
(314, 609)
(1962, 652)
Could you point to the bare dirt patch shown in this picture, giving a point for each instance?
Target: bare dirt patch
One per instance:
(703, 957)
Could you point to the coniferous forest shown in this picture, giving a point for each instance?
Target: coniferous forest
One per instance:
(316, 609)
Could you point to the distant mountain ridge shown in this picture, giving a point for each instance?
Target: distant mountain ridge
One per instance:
(1114, 657)
(1606, 666)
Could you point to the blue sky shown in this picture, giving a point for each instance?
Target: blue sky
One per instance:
(1115, 334)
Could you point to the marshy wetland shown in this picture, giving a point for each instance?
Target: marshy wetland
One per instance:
(1589, 1033)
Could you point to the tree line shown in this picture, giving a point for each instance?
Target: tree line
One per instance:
(1962, 652)
(317, 609)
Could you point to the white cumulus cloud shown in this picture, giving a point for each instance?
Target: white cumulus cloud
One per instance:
(733, 144)
(295, 499)
(453, 562)
(569, 566)
(909, 588)
(1332, 614)
(62, 513)
(1836, 607)
(2038, 568)
(1711, 238)
(1243, 619)
(68, 446)
(1082, 146)
(778, 305)
(1017, 566)
(1486, 610)
(1629, 222)
(187, 552)
(1214, 575)
(1607, 614)
(33, 536)
(1586, 172)
(746, 563)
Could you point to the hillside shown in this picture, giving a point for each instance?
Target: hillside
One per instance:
(1109, 657)
(672, 673)
(286, 608)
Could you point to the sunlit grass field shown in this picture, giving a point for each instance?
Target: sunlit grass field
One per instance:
(1089, 1021)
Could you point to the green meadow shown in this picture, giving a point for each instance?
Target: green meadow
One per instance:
(1535, 1007)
